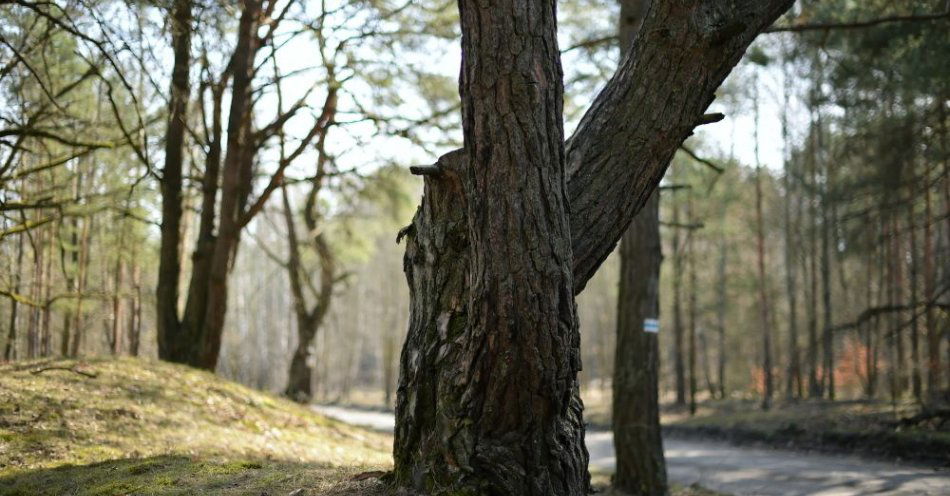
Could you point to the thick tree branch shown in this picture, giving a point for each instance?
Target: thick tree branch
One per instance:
(827, 26)
(660, 92)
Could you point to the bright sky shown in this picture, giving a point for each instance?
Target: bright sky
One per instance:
(357, 147)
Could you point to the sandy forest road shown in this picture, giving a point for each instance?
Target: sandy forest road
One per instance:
(744, 470)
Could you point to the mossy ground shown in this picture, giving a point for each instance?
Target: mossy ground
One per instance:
(147, 427)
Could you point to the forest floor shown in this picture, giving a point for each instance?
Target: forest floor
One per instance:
(876, 428)
(109, 427)
(139, 427)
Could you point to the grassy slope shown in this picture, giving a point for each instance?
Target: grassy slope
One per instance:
(146, 427)
(153, 428)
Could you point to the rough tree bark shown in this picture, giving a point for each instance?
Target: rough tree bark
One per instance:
(488, 400)
(641, 467)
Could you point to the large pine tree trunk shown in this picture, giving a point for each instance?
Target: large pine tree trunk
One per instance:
(488, 400)
(513, 419)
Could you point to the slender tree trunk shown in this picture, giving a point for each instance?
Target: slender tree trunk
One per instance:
(10, 349)
(135, 310)
(679, 362)
(71, 257)
(930, 321)
(692, 310)
(893, 320)
(207, 322)
(309, 320)
(916, 382)
(814, 382)
(33, 338)
(170, 334)
(47, 285)
(793, 381)
(81, 280)
(828, 353)
(641, 467)
(118, 309)
(763, 282)
(721, 317)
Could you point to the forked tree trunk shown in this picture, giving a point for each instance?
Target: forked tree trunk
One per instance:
(309, 319)
(488, 398)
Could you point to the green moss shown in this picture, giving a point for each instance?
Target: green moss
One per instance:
(152, 428)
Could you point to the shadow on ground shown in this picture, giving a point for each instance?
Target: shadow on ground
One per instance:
(181, 475)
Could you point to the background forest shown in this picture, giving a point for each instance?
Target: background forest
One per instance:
(806, 237)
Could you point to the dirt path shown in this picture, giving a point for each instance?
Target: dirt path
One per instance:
(743, 470)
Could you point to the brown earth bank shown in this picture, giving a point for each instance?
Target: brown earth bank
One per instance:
(903, 431)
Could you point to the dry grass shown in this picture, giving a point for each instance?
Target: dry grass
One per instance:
(147, 427)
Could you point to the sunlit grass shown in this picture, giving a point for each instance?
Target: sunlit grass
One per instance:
(147, 427)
